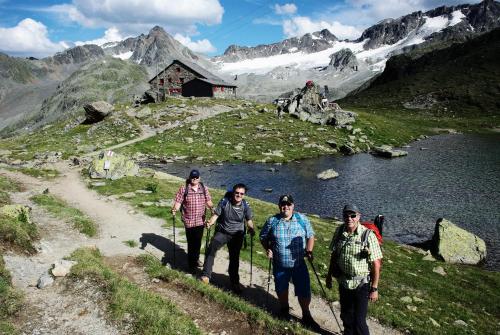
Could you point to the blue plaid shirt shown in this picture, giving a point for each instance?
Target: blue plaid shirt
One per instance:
(288, 239)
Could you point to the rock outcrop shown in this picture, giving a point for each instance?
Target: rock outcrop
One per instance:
(97, 111)
(456, 245)
(343, 60)
(307, 106)
(327, 174)
(111, 165)
(388, 152)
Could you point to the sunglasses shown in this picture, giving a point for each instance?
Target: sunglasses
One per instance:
(286, 204)
(239, 193)
(352, 216)
(195, 177)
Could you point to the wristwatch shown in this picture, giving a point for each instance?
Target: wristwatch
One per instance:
(373, 289)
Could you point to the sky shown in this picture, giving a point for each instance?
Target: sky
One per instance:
(40, 28)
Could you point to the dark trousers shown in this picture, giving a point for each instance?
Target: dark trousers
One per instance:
(353, 309)
(194, 236)
(234, 244)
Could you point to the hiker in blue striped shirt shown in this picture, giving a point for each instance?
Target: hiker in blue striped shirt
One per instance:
(288, 237)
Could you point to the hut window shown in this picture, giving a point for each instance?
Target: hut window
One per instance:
(169, 79)
(162, 81)
(222, 88)
(181, 80)
(178, 69)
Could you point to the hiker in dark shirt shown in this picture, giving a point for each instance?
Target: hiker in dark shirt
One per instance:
(231, 215)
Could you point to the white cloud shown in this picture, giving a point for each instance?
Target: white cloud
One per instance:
(110, 35)
(29, 38)
(286, 9)
(201, 46)
(131, 16)
(300, 25)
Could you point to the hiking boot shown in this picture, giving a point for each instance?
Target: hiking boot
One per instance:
(237, 288)
(199, 264)
(205, 279)
(285, 313)
(308, 321)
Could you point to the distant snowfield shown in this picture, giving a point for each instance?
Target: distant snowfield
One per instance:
(375, 57)
(125, 55)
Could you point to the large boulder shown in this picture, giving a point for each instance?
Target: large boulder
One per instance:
(97, 111)
(456, 245)
(19, 212)
(110, 165)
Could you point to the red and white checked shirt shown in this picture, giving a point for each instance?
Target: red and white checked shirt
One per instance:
(194, 206)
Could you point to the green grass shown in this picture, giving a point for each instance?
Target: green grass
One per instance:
(466, 293)
(131, 243)
(255, 315)
(11, 301)
(39, 173)
(72, 138)
(461, 79)
(62, 210)
(18, 233)
(149, 312)
(7, 185)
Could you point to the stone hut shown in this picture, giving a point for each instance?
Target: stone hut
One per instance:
(189, 79)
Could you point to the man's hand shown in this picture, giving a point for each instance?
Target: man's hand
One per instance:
(373, 296)
(269, 253)
(329, 281)
(251, 231)
(309, 255)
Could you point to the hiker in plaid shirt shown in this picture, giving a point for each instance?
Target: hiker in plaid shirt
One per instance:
(359, 270)
(193, 197)
(288, 237)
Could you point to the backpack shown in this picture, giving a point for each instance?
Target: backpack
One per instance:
(375, 227)
(224, 203)
(186, 194)
(295, 215)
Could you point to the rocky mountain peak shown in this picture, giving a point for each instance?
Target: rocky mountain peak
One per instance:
(309, 43)
(343, 59)
(76, 55)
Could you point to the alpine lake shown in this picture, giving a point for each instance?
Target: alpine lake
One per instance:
(453, 176)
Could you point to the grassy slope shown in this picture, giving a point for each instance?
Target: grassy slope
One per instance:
(72, 138)
(463, 78)
(10, 299)
(147, 312)
(63, 211)
(466, 293)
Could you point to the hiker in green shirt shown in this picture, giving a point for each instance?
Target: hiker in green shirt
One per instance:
(357, 269)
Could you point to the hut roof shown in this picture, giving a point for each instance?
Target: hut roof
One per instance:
(203, 74)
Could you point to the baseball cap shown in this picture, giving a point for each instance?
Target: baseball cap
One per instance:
(194, 174)
(286, 198)
(350, 208)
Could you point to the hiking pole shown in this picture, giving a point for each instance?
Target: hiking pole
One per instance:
(173, 228)
(207, 238)
(251, 259)
(324, 294)
(268, 280)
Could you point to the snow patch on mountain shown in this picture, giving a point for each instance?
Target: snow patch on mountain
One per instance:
(375, 58)
(124, 56)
